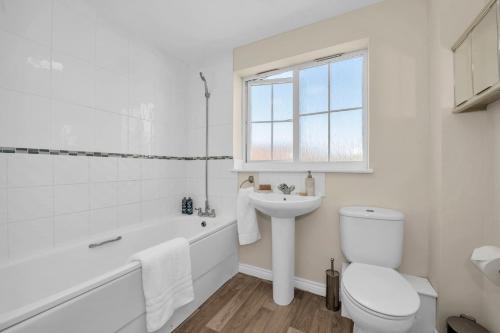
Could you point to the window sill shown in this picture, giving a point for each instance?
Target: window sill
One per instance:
(363, 171)
(301, 167)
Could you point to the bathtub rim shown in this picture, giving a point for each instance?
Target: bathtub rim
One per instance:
(113, 233)
(17, 316)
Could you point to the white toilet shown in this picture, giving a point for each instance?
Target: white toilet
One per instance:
(374, 295)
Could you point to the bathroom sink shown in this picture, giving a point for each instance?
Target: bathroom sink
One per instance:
(283, 209)
(284, 206)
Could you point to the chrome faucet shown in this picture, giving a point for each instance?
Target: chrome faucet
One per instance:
(285, 188)
(207, 212)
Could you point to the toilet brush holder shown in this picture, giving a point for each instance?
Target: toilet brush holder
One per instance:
(332, 288)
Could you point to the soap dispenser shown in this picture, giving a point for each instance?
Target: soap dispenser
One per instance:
(309, 184)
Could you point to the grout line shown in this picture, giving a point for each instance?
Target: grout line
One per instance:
(89, 196)
(24, 92)
(94, 122)
(52, 118)
(26, 38)
(129, 82)
(53, 192)
(7, 227)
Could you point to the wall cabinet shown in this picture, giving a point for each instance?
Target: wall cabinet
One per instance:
(484, 50)
(463, 77)
(476, 62)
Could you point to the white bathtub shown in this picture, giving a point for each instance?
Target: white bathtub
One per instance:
(79, 289)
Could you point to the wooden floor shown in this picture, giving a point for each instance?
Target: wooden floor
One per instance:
(245, 304)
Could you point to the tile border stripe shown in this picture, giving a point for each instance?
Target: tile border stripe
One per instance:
(62, 152)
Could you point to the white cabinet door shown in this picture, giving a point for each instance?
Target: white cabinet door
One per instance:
(485, 52)
(463, 72)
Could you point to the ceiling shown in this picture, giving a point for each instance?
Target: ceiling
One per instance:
(195, 29)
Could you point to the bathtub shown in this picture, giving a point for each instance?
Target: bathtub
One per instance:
(79, 289)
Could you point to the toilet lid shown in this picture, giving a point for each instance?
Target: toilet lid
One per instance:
(380, 289)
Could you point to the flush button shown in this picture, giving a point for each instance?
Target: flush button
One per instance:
(370, 210)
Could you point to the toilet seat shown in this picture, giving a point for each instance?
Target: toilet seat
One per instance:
(346, 297)
(380, 291)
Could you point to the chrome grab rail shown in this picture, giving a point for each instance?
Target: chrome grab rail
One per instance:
(93, 245)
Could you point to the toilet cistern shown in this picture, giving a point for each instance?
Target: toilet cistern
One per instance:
(283, 209)
(374, 294)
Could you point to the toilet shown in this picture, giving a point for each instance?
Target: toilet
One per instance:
(374, 294)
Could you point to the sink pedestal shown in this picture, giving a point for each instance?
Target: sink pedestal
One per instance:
(283, 244)
(283, 209)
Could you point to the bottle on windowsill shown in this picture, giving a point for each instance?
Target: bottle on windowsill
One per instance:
(309, 184)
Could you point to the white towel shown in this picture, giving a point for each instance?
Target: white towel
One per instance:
(248, 229)
(166, 280)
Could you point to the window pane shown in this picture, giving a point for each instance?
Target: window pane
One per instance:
(313, 87)
(314, 137)
(283, 101)
(260, 141)
(283, 141)
(285, 75)
(347, 84)
(260, 103)
(346, 132)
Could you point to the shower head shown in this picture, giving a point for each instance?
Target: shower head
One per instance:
(207, 94)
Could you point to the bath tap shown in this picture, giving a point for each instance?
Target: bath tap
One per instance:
(285, 188)
(205, 213)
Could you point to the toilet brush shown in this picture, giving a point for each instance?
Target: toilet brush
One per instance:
(332, 288)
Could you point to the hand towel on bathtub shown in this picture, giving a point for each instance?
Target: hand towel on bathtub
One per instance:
(166, 280)
(248, 229)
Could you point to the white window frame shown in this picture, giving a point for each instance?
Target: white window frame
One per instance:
(296, 164)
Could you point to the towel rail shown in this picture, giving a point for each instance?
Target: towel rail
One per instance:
(93, 245)
(249, 180)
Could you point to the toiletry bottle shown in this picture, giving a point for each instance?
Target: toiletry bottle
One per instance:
(189, 206)
(309, 184)
(184, 202)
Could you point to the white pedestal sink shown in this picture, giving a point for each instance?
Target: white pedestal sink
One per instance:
(283, 209)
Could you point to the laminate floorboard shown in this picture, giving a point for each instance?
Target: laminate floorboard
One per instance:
(245, 304)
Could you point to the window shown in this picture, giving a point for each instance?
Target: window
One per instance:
(309, 114)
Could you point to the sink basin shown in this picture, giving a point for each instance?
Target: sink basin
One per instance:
(283, 209)
(284, 206)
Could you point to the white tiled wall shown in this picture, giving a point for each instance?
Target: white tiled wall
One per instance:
(219, 75)
(69, 80)
(46, 200)
(222, 183)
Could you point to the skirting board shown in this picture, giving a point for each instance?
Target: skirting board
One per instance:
(300, 283)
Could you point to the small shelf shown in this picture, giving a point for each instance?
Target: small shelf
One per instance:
(481, 101)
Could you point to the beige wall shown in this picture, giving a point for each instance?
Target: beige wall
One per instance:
(491, 292)
(441, 169)
(463, 197)
(399, 122)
